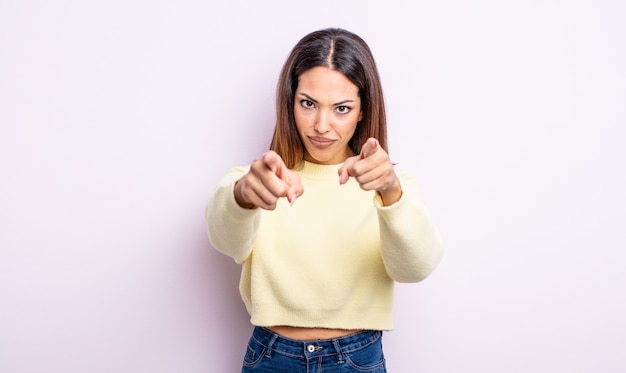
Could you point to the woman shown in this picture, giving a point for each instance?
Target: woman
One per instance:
(322, 223)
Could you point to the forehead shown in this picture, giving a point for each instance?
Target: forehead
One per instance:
(324, 83)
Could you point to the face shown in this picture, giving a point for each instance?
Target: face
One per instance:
(327, 108)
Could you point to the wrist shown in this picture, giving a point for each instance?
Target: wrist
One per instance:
(391, 195)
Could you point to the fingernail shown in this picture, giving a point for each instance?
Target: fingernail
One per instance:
(293, 200)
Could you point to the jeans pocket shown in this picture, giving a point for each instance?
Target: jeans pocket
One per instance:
(368, 358)
(254, 353)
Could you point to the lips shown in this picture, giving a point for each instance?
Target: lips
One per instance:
(321, 142)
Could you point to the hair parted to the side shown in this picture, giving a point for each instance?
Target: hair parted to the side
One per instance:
(342, 51)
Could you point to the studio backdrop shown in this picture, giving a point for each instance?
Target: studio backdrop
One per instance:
(117, 119)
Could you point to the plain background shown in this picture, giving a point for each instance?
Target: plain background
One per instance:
(118, 117)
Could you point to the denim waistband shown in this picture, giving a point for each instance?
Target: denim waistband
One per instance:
(313, 348)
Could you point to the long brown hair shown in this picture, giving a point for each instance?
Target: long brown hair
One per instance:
(342, 51)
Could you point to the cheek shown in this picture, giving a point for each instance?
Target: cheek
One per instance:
(300, 120)
(349, 127)
(351, 132)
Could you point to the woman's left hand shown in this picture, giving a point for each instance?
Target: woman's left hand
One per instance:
(373, 170)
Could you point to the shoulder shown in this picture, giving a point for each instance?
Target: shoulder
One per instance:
(234, 174)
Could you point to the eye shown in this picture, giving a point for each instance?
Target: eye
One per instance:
(343, 109)
(307, 104)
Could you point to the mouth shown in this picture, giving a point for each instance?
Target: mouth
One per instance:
(321, 142)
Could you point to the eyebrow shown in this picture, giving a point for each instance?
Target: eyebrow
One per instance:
(315, 101)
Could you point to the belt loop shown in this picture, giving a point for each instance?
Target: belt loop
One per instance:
(339, 351)
(268, 353)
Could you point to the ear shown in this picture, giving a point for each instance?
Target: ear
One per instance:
(360, 116)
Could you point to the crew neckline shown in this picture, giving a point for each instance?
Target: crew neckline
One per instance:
(320, 171)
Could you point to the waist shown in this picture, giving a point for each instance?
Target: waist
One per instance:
(318, 347)
(304, 334)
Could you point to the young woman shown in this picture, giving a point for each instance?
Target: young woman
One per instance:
(323, 223)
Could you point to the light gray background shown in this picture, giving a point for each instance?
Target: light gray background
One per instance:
(118, 117)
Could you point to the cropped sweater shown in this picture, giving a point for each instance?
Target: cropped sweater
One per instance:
(329, 260)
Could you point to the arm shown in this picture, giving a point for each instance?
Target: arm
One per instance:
(232, 229)
(233, 212)
(411, 246)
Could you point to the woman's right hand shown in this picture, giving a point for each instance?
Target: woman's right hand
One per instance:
(267, 181)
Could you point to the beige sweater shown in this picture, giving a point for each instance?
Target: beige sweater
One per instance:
(331, 259)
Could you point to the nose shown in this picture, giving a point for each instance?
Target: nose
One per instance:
(322, 122)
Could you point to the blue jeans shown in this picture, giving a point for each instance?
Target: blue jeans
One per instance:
(358, 352)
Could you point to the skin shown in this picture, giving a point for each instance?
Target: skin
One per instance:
(327, 109)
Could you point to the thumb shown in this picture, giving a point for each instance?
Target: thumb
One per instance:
(344, 173)
(369, 148)
(295, 189)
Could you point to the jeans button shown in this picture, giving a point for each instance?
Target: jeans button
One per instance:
(310, 348)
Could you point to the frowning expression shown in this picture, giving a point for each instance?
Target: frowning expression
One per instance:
(327, 108)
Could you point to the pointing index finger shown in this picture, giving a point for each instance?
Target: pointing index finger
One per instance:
(274, 163)
(370, 147)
